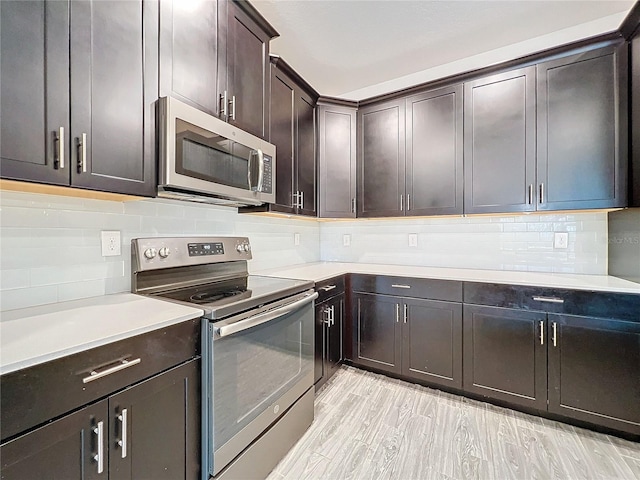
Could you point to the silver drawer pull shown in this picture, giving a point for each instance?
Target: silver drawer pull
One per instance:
(99, 457)
(548, 299)
(328, 288)
(400, 286)
(121, 366)
(123, 441)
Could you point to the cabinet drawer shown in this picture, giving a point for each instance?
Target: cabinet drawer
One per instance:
(623, 306)
(32, 396)
(329, 288)
(448, 290)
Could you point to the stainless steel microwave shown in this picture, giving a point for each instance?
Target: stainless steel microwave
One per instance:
(204, 159)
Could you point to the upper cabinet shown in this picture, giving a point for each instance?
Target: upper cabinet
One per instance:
(411, 155)
(336, 159)
(499, 142)
(78, 82)
(635, 119)
(582, 130)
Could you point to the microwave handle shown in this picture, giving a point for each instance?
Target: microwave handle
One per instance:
(265, 317)
(260, 170)
(249, 163)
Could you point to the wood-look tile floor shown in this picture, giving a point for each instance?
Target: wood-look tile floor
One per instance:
(368, 426)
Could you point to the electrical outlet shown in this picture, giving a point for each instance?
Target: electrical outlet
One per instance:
(560, 240)
(110, 243)
(413, 239)
(296, 239)
(346, 240)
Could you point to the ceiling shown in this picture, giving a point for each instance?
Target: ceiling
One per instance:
(357, 49)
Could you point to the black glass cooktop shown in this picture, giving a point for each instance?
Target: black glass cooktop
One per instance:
(227, 297)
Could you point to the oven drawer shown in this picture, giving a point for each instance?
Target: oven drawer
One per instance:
(32, 396)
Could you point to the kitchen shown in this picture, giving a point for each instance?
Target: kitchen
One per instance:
(51, 244)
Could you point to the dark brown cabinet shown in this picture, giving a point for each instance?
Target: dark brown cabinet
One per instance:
(381, 159)
(434, 180)
(293, 132)
(243, 61)
(582, 130)
(499, 142)
(336, 159)
(505, 355)
(635, 120)
(102, 68)
(594, 370)
(150, 430)
(328, 338)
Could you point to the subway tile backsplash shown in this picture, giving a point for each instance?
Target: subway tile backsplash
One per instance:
(50, 245)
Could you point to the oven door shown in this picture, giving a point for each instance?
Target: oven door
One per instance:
(257, 366)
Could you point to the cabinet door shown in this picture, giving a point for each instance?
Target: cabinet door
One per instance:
(378, 332)
(432, 342)
(305, 148)
(594, 370)
(34, 87)
(500, 142)
(61, 450)
(282, 136)
(434, 152)
(154, 427)
(247, 71)
(635, 121)
(337, 162)
(321, 316)
(505, 355)
(113, 89)
(334, 355)
(189, 53)
(381, 160)
(582, 131)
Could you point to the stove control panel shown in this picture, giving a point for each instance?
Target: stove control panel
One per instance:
(198, 249)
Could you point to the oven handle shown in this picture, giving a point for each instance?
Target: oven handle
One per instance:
(264, 317)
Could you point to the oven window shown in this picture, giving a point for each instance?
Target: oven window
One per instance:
(202, 154)
(253, 368)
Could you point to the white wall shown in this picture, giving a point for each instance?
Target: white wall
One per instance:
(485, 242)
(50, 245)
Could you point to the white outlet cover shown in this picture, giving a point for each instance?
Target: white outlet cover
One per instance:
(560, 240)
(413, 239)
(111, 243)
(346, 240)
(296, 239)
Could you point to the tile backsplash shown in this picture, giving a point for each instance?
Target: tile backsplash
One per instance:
(50, 245)
(511, 242)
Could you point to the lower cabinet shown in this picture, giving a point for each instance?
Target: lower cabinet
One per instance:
(417, 338)
(580, 367)
(328, 333)
(149, 430)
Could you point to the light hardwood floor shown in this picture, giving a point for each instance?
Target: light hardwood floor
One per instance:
(368, 426)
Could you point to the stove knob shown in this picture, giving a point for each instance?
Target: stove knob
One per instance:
(247, 247)
(240, 248)
(150, 253)
(164, 252)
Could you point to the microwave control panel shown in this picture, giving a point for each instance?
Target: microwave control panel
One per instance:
(267, 184)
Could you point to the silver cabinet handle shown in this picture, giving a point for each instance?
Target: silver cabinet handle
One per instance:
(260, 170)
(223, 104)
(541, 332)
(530, 193)
(61, 148)
(408, 202)
(264, 317)
(301, 199)
(94, 375)
(82, 160)
(396, 285)
(232, 103)
(401, 203)
(123, 438)
(397, 313)
(333, 315)
(327, 314)
(548, 299)
(353, 205)
(99, 457)
(542, 193)
(295, 199)
(328, 288)
(555, 334)
(405, 313)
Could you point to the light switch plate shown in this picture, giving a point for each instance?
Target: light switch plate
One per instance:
(110, 243)
(560, 240)
(413, 239)
(296, 239)
(346, 240)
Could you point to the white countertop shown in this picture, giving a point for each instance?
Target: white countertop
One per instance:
(324, 270)
(35, 335)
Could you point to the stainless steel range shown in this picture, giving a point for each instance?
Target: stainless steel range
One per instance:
(257, 347)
